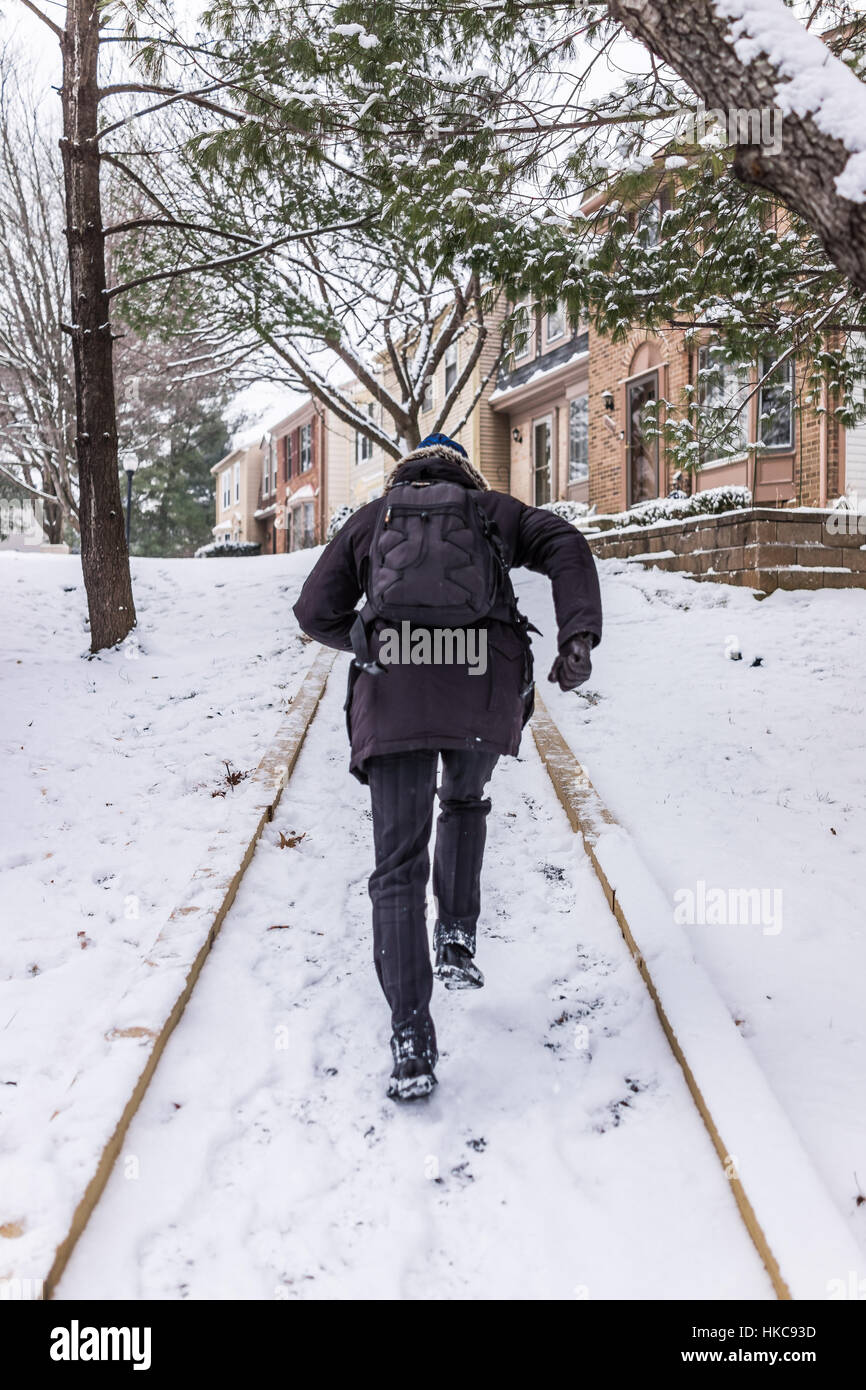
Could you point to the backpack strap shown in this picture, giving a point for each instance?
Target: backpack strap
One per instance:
(361, 644)
(507, 610)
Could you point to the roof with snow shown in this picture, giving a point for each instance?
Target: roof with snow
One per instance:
(574, 347)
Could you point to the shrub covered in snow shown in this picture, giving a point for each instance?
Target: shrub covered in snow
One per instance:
(714, 500)
(338, 519)
(569, 511)
(220, 549)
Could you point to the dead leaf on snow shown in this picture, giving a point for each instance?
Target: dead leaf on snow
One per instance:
(291, 840)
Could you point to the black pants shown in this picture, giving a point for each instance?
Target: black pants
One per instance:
(402, 790)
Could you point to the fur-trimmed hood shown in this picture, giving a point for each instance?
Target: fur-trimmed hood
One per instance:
(438, 451)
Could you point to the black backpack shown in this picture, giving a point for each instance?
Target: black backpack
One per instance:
(434, 559)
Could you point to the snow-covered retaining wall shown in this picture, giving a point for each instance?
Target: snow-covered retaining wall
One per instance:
(761, 548)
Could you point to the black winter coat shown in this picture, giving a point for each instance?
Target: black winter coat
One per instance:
(444, 706)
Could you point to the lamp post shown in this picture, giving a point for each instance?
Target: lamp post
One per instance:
(129, 460)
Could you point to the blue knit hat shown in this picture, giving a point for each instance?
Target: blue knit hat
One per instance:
(444, 440)
(443, 447)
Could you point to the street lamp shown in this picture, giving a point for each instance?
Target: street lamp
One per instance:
(129, 461)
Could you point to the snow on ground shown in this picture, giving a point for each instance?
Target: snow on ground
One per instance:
(728, 774)
(109, 769)
(561, 1156)
(746, 777)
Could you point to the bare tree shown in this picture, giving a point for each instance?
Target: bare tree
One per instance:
(381, 318)
(85, 150)
(37, 402)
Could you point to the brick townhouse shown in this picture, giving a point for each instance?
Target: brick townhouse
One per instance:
(575, 402)
(563, 419)
(304, 477)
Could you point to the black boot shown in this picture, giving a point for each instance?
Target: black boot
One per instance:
(454, 964)
(413, 1047)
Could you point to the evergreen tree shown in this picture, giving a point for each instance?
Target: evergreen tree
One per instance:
(173, 490)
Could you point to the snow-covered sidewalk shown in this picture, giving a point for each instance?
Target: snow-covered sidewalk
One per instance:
(561, 1156)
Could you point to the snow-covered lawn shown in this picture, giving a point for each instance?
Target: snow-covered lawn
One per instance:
(738, 776)
(110, 769)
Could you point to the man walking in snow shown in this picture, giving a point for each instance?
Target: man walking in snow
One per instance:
(433, 558)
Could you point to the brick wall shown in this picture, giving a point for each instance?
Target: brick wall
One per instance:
(763, 549)
(776, 476)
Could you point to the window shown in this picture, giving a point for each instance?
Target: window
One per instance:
(775, 405)
(269, 467)
(288, 448)
(237, 482)
(227, 488)
(722, 390)
(427, 398)
(450, 367)
(578, 440)
(556, 324)
(309, 536)
(521, 331)
(363, 443)
(306, 447)
(363, 447)
(649, 223)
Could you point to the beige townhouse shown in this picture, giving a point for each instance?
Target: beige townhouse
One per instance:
(236, 479)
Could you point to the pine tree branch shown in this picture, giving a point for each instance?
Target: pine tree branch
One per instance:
(201, 267)
(134, 223)
(195, 98)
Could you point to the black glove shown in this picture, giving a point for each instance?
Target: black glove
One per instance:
(573, 665)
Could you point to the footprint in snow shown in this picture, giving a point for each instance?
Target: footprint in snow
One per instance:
(617, 1110)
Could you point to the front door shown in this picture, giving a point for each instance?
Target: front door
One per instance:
(542, 457)
(642, 454)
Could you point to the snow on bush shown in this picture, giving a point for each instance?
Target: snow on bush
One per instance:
(220, 549)
(569, 511)
(714, 500)
(339, 519)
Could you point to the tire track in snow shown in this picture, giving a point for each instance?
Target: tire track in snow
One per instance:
(560, 1157)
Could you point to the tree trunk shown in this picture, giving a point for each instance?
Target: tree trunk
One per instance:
(691, 36)
(104, 557)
